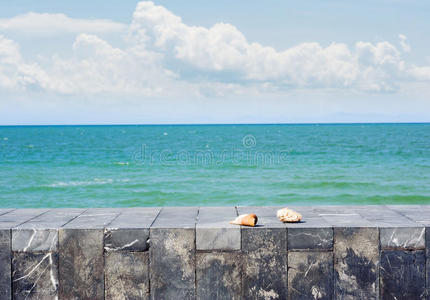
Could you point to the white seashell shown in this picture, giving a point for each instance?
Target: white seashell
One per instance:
(288, 215)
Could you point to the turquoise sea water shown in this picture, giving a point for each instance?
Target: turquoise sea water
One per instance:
(109, 166)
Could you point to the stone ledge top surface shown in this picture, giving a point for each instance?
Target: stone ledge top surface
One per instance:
(382, 216)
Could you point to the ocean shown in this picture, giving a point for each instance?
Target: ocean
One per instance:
(214, 165)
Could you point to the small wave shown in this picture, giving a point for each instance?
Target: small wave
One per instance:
(95, 181)
(121, 163)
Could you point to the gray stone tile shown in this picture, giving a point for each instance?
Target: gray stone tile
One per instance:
(126, 275)
(81, 264)
(134, 239)
(403, 274)
(334, 209)
(172, 255)
(176, 217)
(130, 230)
(213, 231)
(5, 264)
(35, 275)
(93, 218)
(218, 275)
(312, 221)
(135, 217)
(402, 238)
(310, 275)
(264, 239)
(34, 240)
(4, 211)
(310, 238)
(264, 254)
(19, 216)
(346, 219)
(41, 232)
(356, 263)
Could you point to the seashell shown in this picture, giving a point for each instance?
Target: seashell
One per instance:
(288, 215)
(246, 220)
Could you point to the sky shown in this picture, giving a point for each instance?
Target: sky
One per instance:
(169, 62)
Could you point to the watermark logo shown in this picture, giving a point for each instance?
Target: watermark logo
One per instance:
(249, 141)
(247, 154)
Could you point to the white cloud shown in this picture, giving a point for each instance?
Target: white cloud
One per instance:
(45, 24)
(15, 74)
(223, 48)
(162, 56)
(404, 43)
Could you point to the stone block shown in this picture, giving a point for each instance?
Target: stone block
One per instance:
(132, 239)
(218, 275)
(264, 255)
(403, 238)
(126, 275)
(403, 274)
(356, 263)
(172, 263)
(81, 264)
(34, 240)
(218, 238)
(23, 215)
(5, 264)
(213, 231)
(346, 219)
(310, 238)
(35, 275)
(130, 230)
(176, 217)
(310, 275)
(94, 218)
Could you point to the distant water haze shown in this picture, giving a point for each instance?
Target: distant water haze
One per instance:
(183, 165)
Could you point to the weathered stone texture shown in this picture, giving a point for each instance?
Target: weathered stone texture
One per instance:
(121, 239)
(218, 275)
(35, 275)
(264, 263)
(310, 238)
(403, 274)
(126, 275)
(130, 230)
(403, 237)
(356, 253)
(34, 240)
(5, 264)
(213, 231)
(310, 275)
(172, 263)
(81, 264)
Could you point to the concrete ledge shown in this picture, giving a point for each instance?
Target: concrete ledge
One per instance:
(337, 252)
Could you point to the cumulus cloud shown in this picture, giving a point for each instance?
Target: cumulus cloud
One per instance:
(223, 48)
(163, 56)
(404, 43)
(45, 24)
(15, 74)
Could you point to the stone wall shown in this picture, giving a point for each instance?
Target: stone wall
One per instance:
(360, 252)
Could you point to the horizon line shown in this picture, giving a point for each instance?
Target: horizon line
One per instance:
(212, 124)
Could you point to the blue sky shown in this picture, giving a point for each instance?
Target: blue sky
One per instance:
(110, 62)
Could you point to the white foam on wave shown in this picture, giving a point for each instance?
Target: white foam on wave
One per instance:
(95, 181)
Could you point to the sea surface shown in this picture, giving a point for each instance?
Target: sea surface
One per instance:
(214, 165)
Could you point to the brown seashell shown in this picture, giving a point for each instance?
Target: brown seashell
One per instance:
(288, 215)
(246, 220)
